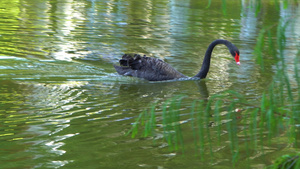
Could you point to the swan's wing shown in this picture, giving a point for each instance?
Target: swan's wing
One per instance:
(149, 68)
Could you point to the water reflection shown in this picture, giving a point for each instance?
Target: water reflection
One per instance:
(161, 90)
(289, 22)
(249, 22)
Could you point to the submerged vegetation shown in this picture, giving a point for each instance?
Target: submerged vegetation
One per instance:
(211, 120)
(287, 161)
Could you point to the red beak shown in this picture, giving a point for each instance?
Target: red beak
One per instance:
(237, 58)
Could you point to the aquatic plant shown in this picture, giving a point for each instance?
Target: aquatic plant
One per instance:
(277, 112)
(287, 161)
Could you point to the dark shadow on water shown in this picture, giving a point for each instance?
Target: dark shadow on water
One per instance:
(162, 90)
(204, 94)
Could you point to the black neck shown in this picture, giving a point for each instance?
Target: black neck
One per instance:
(206, 62)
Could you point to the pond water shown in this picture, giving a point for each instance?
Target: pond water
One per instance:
(62, 104)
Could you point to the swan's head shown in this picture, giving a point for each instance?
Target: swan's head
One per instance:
(236, 54)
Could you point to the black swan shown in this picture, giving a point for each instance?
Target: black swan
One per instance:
(154, 69)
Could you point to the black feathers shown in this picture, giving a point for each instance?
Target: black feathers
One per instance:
(149, 68)
(134, 62)
(154, 69)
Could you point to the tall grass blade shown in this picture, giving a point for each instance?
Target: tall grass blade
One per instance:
(285, 4)
(207, 126)
(297, 70)
(178, 130)
(253, 128)
(232, 133)
(224, 7)
(271, 47)
(134, 128)
(201, 127)
(151, 123)
(209, 3)
(193, 120)
(218, 119)
(277, 4)
(257, 7)
(262, 120)
(166, 125)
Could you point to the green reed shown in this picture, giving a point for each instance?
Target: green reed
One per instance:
(276, 112)
(287, 161)
(272, 115)
(171, 121)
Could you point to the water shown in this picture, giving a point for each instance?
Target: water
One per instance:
(64, 106)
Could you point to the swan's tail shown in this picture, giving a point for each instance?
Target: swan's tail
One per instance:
(128, 64)
(134, 62)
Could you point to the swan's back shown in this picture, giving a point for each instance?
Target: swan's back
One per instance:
(148, 68)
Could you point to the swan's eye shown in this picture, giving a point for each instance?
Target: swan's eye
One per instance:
(237, 58)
